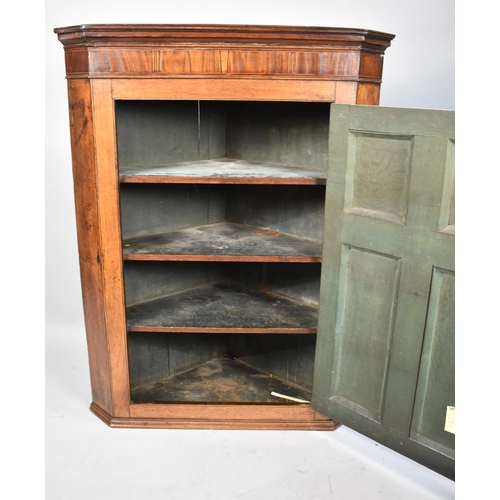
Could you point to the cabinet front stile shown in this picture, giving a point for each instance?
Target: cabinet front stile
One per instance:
(97, 209)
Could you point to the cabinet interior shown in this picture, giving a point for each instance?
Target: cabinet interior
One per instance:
(220, 368)
(161, 132)
(222, 208)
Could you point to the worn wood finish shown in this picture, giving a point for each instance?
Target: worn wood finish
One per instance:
(89, 237)
(298, 282)
(223, 241)
(146, 281)
(235, 412)
(188, 222)
(221, 380)
(223, 171)
(154, 357)
(117, 71)
(294, 364)
(156, 132)
(386, 327)
(244, 89)
(109, 243)
(94, 177)
(152, 209)
(295, 330)
(222, 307)
(292, 210)
(274, 212)
(175, 132)
(287, 133)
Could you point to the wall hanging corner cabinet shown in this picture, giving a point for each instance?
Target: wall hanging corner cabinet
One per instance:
(257, 250)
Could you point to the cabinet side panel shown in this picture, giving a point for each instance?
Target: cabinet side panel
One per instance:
(84, 177)
(368, 94)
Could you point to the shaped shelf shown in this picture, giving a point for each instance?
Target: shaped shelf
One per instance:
(224, 242)
(222, 171)
(223, 308)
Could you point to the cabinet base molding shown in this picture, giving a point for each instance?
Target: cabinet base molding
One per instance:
(306, 419)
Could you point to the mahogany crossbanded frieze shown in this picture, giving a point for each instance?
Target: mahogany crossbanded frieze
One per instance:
(125, 62)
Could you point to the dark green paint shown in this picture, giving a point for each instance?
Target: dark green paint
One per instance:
(385, 357)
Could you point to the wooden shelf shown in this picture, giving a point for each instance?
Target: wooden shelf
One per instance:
(222, 171)
(223, 308)
(221, 380)
(223, 242)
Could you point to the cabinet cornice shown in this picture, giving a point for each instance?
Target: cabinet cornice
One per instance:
(117, 51)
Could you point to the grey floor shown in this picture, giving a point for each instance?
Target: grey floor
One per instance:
(87, 460)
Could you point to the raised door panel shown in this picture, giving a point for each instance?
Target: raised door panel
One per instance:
(385, 362)
(436, 381)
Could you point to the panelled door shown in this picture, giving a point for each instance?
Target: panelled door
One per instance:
(385, 352)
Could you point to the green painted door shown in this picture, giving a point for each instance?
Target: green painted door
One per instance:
(385, 352)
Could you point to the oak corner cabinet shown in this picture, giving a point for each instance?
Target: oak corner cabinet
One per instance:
(261, 245)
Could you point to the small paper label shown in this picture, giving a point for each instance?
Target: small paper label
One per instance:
(449, 425)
